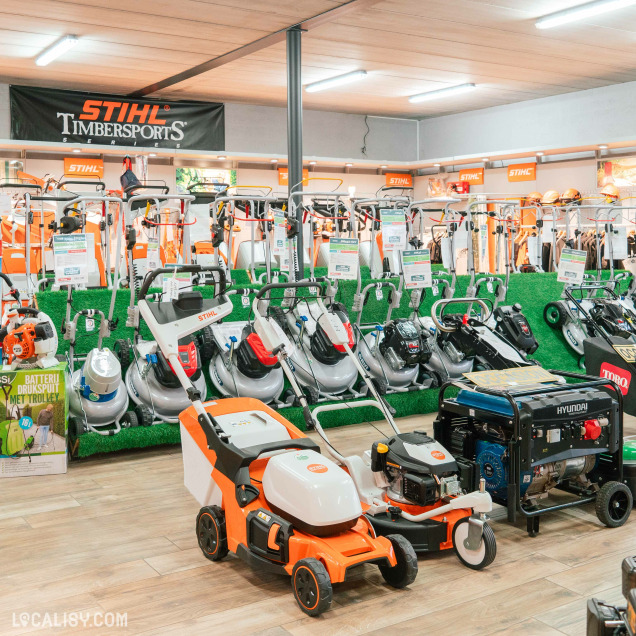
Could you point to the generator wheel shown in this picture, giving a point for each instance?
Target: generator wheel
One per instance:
(129, 420)
(211, 533)
(312, 586)
(144, 415)
(404, 572)
(206, 344)
(614, 504)
(553, 315)
(474, 559)
(76, 427)
(121, 349)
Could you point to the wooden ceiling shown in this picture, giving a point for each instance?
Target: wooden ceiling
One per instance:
(407, 46)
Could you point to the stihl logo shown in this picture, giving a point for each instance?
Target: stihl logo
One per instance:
(471, 177)
(74, 167)
(522, 172)
(207, 314)
(568, 409)
(396, 179)
(474, 176)
(622, 377)
(127, 120)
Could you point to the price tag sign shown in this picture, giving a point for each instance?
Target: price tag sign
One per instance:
(284, 256)
(152, 256)
(343, 258)
(90, 324)
(416, 265)
(5, 204)
(446, 252)
(547, 230)
(245, 300)
(378, 293)
(70, 259)
(393, 225)
(532, 250)
(619, 243)
(280, 233)
(172, 285)
(572, 266)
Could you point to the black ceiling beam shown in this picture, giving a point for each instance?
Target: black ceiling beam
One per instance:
(257, 45)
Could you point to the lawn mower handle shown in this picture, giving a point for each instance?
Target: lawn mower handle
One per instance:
(190, 269)
(294, 284)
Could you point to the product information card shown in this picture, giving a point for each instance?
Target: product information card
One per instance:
(416, 265)
(343, 258)
(572, 266)
(70, 254)
(280, 234)
(393, 224)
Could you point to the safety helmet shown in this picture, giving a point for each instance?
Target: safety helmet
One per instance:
(533, 198)
(571, 195)
(551, 197)
(611, 191)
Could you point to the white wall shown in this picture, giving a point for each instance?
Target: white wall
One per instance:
(263, 129)
(599, 115)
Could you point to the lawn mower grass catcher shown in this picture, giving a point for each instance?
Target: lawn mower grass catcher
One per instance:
(528, 440)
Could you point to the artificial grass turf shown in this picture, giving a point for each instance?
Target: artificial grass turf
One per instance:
(533, 291)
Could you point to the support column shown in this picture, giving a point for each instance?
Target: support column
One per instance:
(295, 130)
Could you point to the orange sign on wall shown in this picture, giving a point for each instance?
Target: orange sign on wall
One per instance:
(474, 176)
(283, 176)
(522, 172)
(83, 167)
(397, 179)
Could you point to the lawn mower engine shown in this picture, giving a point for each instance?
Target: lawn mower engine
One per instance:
(29, 339)
(514, 326)
(418, 470)
(613, 319)
(405, 345)
(568, 439)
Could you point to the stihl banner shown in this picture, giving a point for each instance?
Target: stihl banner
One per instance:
(397, 179)
(70, 117)
(474, 176)
(83, 167)
(522, 172)
(283, 176)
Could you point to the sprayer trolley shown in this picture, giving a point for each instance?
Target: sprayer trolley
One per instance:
(528, 440)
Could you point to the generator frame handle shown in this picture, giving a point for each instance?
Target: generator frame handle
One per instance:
(189, 269)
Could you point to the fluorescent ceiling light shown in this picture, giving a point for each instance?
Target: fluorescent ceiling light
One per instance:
(384, 167)
(539, 154)
(603, 146)
(335, 81)
(437, 165)
(152, 154)
(485, 159)
(59, 48)
(221, 157)
(348, 165)
(580, 12)
(313, 163)
(77, 150)
(273, 160)
(444, 92)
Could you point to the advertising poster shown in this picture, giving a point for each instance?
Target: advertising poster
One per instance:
(216, 177)
(621, 172)
(73, 117)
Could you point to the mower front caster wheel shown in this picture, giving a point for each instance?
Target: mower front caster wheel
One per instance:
(312, 586)
(474, 559)
(403, 573)
(211, 533)
(614, 504)
(76, 427)
(553, 315)
(129, 420)
(144, 415)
